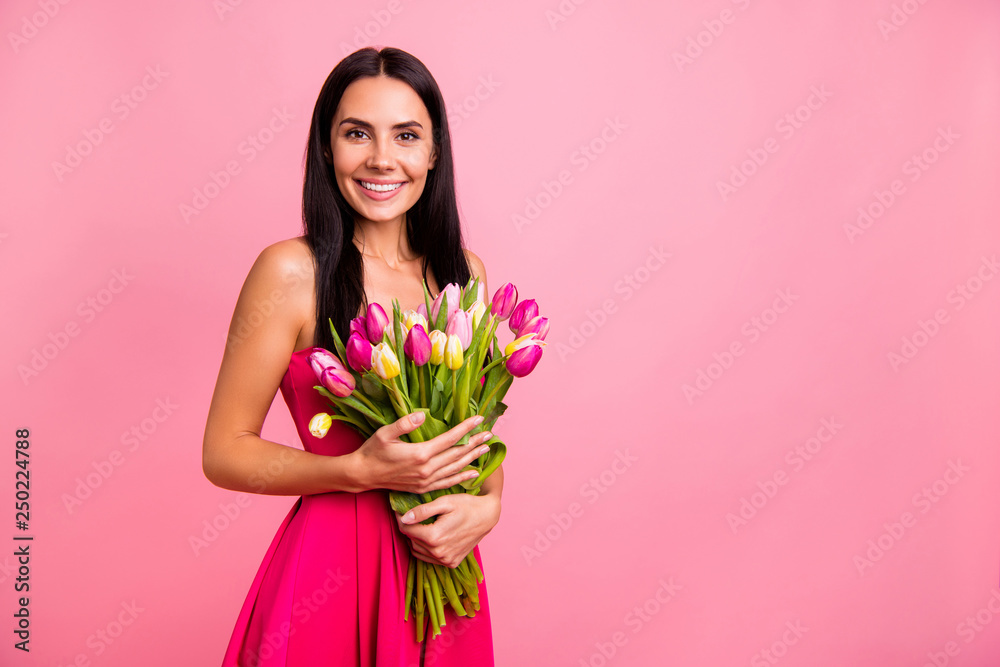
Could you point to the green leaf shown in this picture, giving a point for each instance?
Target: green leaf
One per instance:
(495, 414)
(397, 332)
(339, 344)
(411, 373)
(427, 302)
(362, 427)
(437, 398)
(496, 455)
(469, 293)
(402, 502)
(442, 319)
(353, 402)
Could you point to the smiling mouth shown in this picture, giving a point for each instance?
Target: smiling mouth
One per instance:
(380, 187)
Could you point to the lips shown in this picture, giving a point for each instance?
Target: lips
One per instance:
(380, 190)
(378, 186)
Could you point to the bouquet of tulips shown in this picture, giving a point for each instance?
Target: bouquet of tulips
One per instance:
(432, 360)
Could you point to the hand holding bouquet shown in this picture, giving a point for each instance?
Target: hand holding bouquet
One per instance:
(443, 360)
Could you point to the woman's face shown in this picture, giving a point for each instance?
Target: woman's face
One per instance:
(382, 147)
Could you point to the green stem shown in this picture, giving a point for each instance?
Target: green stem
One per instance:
(423, 392)
(364, 399)
(486, 402)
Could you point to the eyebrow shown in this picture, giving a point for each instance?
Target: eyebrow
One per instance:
(364, 123)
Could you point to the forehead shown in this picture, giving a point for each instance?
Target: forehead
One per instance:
(381, 101)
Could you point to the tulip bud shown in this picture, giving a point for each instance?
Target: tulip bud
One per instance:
(422, 311)
(504, 300)
(321, 359)
(460, 325)
(453, 357)
(418, 345)
(359, 352)
(438, 340)
(454, 294)
(523, 360)
(359, 325)
(476, 310)
(412, 317)
(384, 361)
(523, 312)
(375, 323)
(338, 381)
(521, 342)
(537, 325)
(320, 424)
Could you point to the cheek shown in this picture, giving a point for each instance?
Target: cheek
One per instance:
(416, 165)
(345, 160)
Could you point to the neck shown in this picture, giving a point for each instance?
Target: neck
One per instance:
(385, 241)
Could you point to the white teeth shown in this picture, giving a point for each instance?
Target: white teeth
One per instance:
(380, 188)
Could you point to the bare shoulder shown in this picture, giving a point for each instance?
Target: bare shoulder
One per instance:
(280, 283)
(290, 262)
(475, 264)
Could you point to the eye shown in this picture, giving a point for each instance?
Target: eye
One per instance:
(413, 137)
(350, 134)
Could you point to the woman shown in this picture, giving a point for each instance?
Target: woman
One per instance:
(380, 216)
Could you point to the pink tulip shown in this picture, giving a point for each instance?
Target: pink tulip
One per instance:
(375, 323)
(422, 311)
(338, 381)
(460, 325)
(523, 312)
(536, 325)
(418, 345)
(504, 300)
(522, 361)
(359, 325)
(321, 359)
(454, 294)
(359, 352)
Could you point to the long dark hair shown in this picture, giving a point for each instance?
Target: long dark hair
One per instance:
(432, 223)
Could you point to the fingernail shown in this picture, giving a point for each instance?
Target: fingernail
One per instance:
(483, 450)
(407, 518)
(417, 417)
(486, 435)
(475, 474)
(478, 420)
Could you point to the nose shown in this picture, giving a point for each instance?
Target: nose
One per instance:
(381, 156)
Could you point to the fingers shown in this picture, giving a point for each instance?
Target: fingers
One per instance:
(402, 425)
(426, 510)
(454, 434)
(452, 463)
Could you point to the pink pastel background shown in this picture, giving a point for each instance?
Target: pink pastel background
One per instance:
(763, 433)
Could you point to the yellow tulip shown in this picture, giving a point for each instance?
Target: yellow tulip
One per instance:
(453, 357)
(385, 363)
(320, 424)
(477, 310)
(412, 317)
(438, 340)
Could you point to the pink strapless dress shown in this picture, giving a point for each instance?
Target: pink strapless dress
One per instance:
(329, 592)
